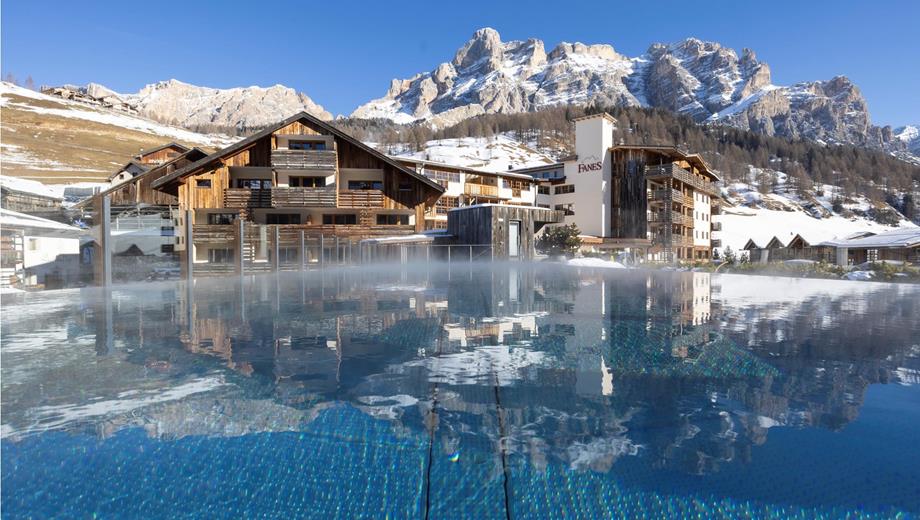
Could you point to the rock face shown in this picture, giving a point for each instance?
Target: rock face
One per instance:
(702, 80)
(191, 106)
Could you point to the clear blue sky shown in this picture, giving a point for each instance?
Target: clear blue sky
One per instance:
(343, 53)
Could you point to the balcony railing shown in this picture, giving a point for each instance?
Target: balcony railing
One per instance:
(304, 159)
(360, 199)
(672, 239)
(481, 190)
(303, 197)
(670, 195)
(673, 171)
(214, 233)
(717, 226)
(670, 217)
(239, 198)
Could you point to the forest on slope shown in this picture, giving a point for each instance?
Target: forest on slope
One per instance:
(809, 165)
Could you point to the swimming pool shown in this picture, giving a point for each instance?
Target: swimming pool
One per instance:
(504, 391)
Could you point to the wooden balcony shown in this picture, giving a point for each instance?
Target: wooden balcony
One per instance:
(670, 195)
(214, 233)
(324, 160)
(360, 199)
(303, 197)
(480, 190)
(242, 198)
(670, 217)
(673, 171)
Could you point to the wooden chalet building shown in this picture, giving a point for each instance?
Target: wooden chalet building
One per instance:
(148, 159)
(298, 179)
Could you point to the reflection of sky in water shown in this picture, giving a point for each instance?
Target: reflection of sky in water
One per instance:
(471, 393)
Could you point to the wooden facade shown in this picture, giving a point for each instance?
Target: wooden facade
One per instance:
(354, 191)
(656, 193)
(494, 226)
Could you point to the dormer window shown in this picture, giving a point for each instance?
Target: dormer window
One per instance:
(306, 145)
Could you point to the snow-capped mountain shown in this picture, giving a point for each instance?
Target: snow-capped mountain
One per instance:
(909, 135)
(703, 80)
(192, 106)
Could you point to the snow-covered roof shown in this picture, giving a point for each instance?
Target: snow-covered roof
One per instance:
(29, 186)
(36, 225)
(477, 171)
(902, 237)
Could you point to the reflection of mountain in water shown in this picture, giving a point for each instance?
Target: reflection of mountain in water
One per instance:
(579, 367)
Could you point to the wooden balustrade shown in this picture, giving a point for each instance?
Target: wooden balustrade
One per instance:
(673, 171)
(360, 199)
(304, 159)
(303, 197)
(481, 190)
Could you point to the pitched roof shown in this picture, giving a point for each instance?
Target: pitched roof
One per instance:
(243, 144)
(172, 144)
(476, 171)
(36, 225)
(673, 152)
(750, 244)
(901, 237)
(189, 153)
(133, 162)
(774, 243)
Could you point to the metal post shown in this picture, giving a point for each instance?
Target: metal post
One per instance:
(337, 249)
(471, 252)
(189, 246)
(448, 255)
(105, 236)
(303, 251)
(276, 257)
(322, 251)
(241, 246)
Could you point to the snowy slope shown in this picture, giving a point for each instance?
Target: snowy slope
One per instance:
(493, 154)
(784, 214)
(55, 140)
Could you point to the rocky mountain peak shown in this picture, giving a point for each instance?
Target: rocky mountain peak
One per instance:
(486, 44)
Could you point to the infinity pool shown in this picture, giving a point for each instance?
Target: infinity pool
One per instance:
(516, 391)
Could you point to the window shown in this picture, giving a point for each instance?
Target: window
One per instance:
(438, 175)
(221, 219)
(405, 186)
(365, 185)
(33, 244)
(282, 218)
(446, 204)
(565, 188)
(340, 219)
(306, 145)
(567, 209)
(307, 182)
(167, 248)
(220, 256)
(254, 184)
(203, 183)
(543, 206)
(167, 231)
(392, 220)
(543, 190)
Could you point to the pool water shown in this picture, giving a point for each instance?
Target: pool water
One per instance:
(480, 391)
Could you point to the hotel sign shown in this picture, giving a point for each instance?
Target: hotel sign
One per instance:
(590, 164)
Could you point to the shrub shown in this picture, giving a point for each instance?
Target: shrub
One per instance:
(559, 240)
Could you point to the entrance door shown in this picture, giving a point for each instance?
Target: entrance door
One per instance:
(514, 238)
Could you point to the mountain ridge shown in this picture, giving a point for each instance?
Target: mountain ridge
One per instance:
(704, 80)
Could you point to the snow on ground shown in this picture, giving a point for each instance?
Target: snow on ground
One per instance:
(488, 153)
(15, 155)
(595, 262)
(75, 110)
(784, 214)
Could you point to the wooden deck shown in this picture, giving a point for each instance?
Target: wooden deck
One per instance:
(322, 160)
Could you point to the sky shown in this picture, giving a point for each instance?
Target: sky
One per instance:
(343, 54)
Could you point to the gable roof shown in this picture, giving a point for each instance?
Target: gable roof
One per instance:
(192, 154)
(172, 144)
(775, 242)
(750, 244)
(243, 144)
(799, 238)
(133, 162)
